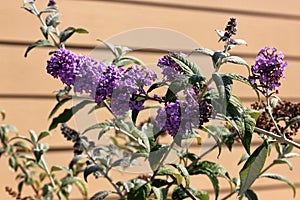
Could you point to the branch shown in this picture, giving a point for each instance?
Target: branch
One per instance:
(279, 138)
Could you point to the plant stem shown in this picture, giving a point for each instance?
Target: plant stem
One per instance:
(162, 161)
(44, 164)
(32, 185)
(201, 156)
(44, 24)
(105, 175)
(277, 137)
(229, 195)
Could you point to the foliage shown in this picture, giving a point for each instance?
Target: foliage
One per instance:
(189, 103)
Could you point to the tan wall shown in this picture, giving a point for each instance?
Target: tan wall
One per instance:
(26, 91)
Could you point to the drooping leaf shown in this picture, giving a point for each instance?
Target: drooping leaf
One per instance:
(252, 168)
(140, 192)
(128, 60)
(187, 66)
(49, 10)
(100, 195)
(39, 43)
(281, 178)
(243, 158)
(91, 169)
(250, 195)
(212, 170)
(68, 32)
(69, 180)
(217, 58)
(100, 125)
(2, 112)
(235, 60)
(249, 129)
(293, 121)
(155, 86)
(179, 194)
(158, 193)
(242, 79)
(43, 135)
(81, 187)
(30, 9)
(282, 161)
(210, 130)
(52, 19)
(23, 145)
(176, 86)
(204, 51)
(184, 172)
(68, 113)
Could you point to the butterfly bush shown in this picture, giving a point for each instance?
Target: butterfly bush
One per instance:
(268, 70)
(184, 103)
(65, 65)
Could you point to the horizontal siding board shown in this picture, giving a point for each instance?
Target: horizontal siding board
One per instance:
(104, 20)
(28, 76)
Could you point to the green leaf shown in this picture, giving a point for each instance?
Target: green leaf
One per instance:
(100, 195)
(243, 158)
(126, 185)
(30, 9)
(176, 86)
(221, 90)
(128, 60)
(210, 130)
(33, 136)
(293, 121)
(52, 19)
(49, 10)
(69, 180)
(24, 146)
(252, 168)
(43, 135)
(76, 159)
(184, 172)
(291, 155)
(159, 182)
(240, 42)
(100, 125)
(58, 105)
(2, 112)
(60, 168)
(39, 43)
(179, 194)
(158, 193)
(217, 59)
(187, 66)
(212, 170)
(13, 163)
(45, 31)
(204, 51)
(155, 86)
(139, 192)
(242, 79)
(38, 154)
(91, 169)
(281, 178)
(68, 32)
(156, 155)
(250, 195)
(81, 187)
(68, 113)
(235, 60)
(249, 129)
(282, 161)
(28, 1)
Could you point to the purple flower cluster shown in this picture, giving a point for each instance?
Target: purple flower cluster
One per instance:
(170, 69)
(65, 65)
(88, 76)
(129, 88)
(169, 118)
(268, 70)
(108, 80)
(179, 117)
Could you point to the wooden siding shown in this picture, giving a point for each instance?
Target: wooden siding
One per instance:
(27, 92)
